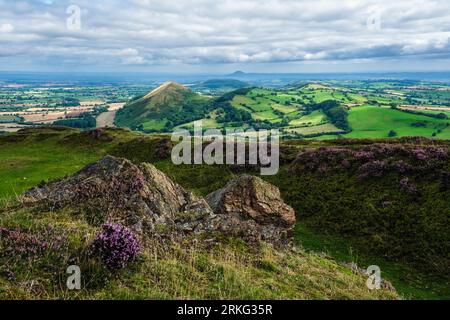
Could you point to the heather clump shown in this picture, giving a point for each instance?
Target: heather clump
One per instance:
(21, 243)
(116, 246)
(374, 168)
(402, 166)
(406, 185)
(321, 159)
(374, 160)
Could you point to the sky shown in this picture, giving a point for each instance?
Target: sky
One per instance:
(209, 36)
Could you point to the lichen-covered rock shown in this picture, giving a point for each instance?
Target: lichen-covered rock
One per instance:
(115, 189)
(253, 209)
(144, 199)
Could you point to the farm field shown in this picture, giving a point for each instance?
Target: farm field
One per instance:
(374, 109)
(376, 122)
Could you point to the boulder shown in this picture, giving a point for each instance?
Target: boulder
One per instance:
(146, 200)
(252, 208)
(114, 189)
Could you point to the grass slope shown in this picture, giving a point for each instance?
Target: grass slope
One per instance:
(168, 271)
(43, 154)
(170, 102)
(375, 122)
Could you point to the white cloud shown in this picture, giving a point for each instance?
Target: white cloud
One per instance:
(150, 32)
(6, 28)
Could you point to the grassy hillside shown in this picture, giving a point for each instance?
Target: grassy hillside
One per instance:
(308, 110)
(369, 222)
(37, 247)
(160, 110)
(164, 270)
(376, 122)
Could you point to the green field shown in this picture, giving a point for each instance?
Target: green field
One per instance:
(313, 119)
(207, 123)
(375, 122)
(156, 125)
(313, 130)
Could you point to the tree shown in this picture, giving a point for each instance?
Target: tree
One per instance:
(392, 133)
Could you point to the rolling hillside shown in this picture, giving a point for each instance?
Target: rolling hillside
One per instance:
(307, 110)
(163, 108)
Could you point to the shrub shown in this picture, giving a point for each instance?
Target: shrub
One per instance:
(116, 245)
(17, 242)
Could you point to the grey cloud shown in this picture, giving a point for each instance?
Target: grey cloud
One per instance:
(149, 32)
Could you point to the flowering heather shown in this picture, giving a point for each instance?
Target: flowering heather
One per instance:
(419, 154)
(364, 155)
(407, 186)
(322, 158)
(374, 168)
(116, 245)
(401, 166)
(21, 243)
(374, 160)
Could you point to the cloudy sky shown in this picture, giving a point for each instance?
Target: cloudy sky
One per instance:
(225, 35)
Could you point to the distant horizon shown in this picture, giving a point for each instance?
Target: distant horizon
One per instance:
(217, 73)
(268, 79)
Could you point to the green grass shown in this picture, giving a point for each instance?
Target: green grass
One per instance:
(314, 118)
(169, 270)
(43, 155)
(31, 163)
(157, 124)
(284, 108)
(403, 278)
(323, 128)
(375, 122)
(207, 123)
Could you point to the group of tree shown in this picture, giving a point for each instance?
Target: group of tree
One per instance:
(336, 113)
(84, 121)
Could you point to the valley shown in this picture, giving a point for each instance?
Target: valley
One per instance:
(365, 109)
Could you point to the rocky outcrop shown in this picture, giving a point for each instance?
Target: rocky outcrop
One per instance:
(252, 208)
(114, 189)
(143, 198)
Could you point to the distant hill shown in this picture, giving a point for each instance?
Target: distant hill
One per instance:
(237, 73)
(168, 105)
(219, 86)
